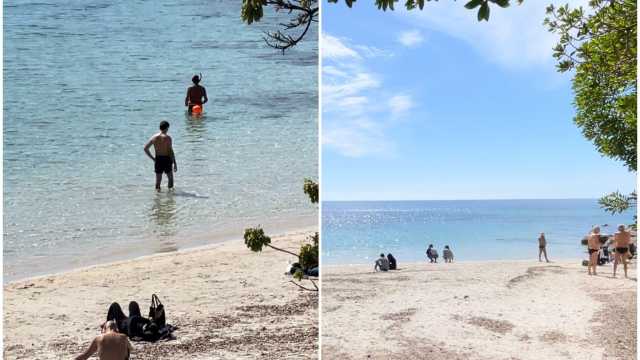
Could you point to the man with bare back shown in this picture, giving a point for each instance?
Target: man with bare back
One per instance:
(164, 156)
(593, 243)
(621, 239)
(111, 345)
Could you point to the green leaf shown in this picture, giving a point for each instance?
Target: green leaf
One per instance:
(473, 4)
(502, 3)
(483, 13)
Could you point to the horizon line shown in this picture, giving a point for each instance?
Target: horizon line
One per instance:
(485, 199)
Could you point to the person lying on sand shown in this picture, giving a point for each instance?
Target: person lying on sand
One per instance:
(621, 239)
(593, 244)
(116, 314)
(110, 345)
(382, 264)
(447, 254)
(163, 146)
(542, 247)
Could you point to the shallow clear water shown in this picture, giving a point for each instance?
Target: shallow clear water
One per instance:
(86, 84)
(357, 232)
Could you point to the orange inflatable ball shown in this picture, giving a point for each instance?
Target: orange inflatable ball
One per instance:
(196, 109)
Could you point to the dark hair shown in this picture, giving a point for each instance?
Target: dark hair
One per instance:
(164, 125)
(446, 246)
(134, 309)
(115, 313)
(381, 255)
(195, 79)
(430, 245)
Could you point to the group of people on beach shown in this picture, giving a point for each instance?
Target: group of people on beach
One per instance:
(385, 263)
(113, 342)
(388, 262)
(432, 254)
(165, 159)
(621, 244)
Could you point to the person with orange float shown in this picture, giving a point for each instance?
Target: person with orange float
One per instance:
(196, 96)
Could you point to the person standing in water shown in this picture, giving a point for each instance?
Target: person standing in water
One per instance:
(196, 94)
(593, 243)
(621, 240)
(165, 158)
(542, 247)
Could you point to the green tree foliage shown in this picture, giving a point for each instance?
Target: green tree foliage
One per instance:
(311, 188)
(483, 6)
(600, 46)
(303, 14)
(617, 202)
(256, 240)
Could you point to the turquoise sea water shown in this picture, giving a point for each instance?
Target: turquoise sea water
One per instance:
(357, 232)
(86, 84)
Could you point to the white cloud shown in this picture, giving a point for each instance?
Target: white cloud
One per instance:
(333, 48)
(400, 104)
(357, 111)
(411, 38)
(513, 37)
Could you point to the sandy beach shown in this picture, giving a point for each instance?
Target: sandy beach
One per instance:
(228, 303)
(478, 310)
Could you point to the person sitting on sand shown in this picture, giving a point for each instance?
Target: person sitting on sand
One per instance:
(593, 244)
(393, 265)
(622, 239)
(163, 146)
(429, 250)
(196, 94)
(542, 247)
(382, 264)
(447, 254)
(110, 345)
(434, 255)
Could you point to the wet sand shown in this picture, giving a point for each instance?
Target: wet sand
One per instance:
(228, 302)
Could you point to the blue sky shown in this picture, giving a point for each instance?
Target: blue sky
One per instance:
(434, 105)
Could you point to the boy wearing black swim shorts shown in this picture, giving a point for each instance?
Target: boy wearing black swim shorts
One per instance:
(164, 156)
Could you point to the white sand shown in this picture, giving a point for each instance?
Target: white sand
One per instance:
(484, 310)
(228, 302)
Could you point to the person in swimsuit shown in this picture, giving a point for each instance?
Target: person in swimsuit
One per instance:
(110, 345)
(163, 146)
(621, 239)
(196, 94)
(542, 248)
(593, 244)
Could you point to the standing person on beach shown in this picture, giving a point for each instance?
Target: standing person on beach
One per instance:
(196, 94)
(111, 345)
(163, 146)
(542, 248)
(593, 244)
(621, 239)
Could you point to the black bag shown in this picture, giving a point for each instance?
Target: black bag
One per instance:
(156, 312)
